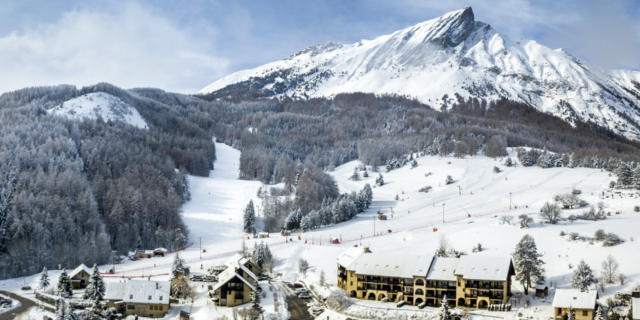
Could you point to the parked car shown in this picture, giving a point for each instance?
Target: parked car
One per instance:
(298, 285)
(304, 295)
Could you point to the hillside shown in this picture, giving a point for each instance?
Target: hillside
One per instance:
(443, 60)
(100, 105)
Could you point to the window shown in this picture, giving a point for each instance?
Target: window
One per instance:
(130, 307)
(130, 296)
(584, 312)
(149, 297)
(160, 298)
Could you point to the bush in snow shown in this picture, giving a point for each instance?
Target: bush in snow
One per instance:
(477, 248)
(449, 180)
(600, 235)
(611, 239)
(636, 209)
(508, 162)
(496, 170)
(570, 200)
(338, 300)
(355, 176)
(303, 266)
(380, 180)
(525, 220)
(505, 219)
(425, 189)
(414, 163)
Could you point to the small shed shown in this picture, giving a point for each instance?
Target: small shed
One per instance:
(262, 235)
(335, 241)
(159, 252)
(184, 315)
(542, 290)
(144, 254)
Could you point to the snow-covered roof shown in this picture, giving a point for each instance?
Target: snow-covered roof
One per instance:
(635, 305)
(391, 264)
(574, 298)
(228, 274)
(79, 269)
(348, 256)
(147, 291)
(160, 249)
(491, 268)
(443, 269)
(114, 290)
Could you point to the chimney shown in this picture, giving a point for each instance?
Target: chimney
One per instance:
(156, 285)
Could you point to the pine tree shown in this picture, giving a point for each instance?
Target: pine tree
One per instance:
(178, 266)
(528, 263)
(380, 180)
(625, 175)
(256, 308)
(598, 315)
(571, 314)
(444, 313)
(583, 276)
(64, 285)
(44, 279)
(250, 218)
(292, 221)
(95, 289)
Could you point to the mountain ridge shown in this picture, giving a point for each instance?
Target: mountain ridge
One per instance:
(437, 60)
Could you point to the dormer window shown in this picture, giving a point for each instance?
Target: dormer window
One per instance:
(160, 298)
(130, 296)
(149, 297)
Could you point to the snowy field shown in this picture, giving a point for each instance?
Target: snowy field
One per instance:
(473, 207)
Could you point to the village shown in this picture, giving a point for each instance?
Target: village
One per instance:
(412, 266)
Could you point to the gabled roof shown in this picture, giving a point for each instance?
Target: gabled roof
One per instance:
(79, 269)
(228, 274)
(443, 269)
(490, 268)
(574, 298)
(635, 305)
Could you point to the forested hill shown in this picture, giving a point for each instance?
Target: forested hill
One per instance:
(85, 187)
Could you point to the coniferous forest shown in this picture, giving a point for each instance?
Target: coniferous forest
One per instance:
(78, 191)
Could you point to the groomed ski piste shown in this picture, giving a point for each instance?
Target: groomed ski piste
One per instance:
(473, 208)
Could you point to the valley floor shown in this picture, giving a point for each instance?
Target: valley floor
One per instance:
(473, 207)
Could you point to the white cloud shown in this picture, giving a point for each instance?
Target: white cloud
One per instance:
(128, 47)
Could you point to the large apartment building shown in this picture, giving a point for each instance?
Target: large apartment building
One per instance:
(469, 281)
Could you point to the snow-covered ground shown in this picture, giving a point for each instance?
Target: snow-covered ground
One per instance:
(473, 207)
(100, 105)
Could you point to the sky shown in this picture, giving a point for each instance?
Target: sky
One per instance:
(183, 46)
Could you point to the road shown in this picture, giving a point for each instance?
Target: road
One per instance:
(25, 305)
(297, 307)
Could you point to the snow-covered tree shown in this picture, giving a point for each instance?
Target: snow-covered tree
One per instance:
(380, 180)
(250, 218)
(583, 276)
(293, 220)
(44, 279)
(64, 285)
(262, 256)
(256, 309)
(609, 269)
(178, 267)
(8, 181)
(355, 176)
(444, 313)
(598, 315)
(180, 288)
(528, 263)
(551, 212)
(625, 175)
(571, 314)
(95, 289)
(525, 220)
(508, 162)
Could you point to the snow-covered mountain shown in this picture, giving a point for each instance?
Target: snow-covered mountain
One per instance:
(100, 105)
(438, 59)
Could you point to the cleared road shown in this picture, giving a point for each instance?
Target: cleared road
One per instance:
(25, 305)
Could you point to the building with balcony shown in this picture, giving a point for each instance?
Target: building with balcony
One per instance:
(236, 283)
(422, 280)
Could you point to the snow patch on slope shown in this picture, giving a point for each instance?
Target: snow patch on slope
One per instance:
(100, 105)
